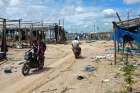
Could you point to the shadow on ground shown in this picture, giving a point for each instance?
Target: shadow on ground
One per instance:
(33, 72)
(81, 57)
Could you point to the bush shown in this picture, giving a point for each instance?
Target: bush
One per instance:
(128, 76)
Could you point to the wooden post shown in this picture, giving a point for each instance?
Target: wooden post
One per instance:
(58, 33)
(31, 28)
(123, 46)
(42, 31)
(26, 35)
(19, 30)
(118, 47)
(3, 45)
(114, 44)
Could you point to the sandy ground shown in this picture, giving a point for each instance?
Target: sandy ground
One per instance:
(61, 71)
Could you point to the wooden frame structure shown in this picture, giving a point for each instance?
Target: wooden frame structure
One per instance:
(27, 31)
(132, 26)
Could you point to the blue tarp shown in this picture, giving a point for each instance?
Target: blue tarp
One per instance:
(120, 33)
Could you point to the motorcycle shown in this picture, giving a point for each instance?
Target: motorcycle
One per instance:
(77, 52)
(30, 62)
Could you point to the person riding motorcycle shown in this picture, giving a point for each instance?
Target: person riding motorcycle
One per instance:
(75, 46)
(34, 58)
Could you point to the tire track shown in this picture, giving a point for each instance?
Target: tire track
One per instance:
(28, 84)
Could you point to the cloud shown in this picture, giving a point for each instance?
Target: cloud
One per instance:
(74, 12)
(79, 9)
(131, 1)
(1, 3)
(7, 3)
(80, 16)
(15, 2)
(108, 13)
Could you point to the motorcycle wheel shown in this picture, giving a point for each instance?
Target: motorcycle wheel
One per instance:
(76, 55)
(25, 69)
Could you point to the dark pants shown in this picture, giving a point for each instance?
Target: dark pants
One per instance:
(41, 61)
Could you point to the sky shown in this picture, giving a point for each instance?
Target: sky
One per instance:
(78, 15)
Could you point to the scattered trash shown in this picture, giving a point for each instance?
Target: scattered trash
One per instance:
(18, 45)
(109, 56)
(100, 57)
(90, 41)
(8, 69)
(106, 56)
(89, 68)
(116, 75)
(80, 77)
(105, 80)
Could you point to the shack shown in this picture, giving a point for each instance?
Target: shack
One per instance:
(126, 35)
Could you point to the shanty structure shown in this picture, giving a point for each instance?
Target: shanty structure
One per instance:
(91, 36)
(101, 36)
(126, 33)
(25, 32)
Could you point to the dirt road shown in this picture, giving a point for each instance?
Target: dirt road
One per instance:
(61, 72)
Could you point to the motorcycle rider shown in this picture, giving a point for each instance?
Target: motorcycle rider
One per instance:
(40, 53)
(75, 45)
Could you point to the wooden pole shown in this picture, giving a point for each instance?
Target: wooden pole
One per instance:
(114, 44)
(118, 47)
(31, 28)
(19, 30)
(4, 47)
(58, 33)
(123, 46)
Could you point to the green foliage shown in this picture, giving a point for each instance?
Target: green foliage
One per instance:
(123, 91)
(119, 59)
(128, 76)
(128, 69)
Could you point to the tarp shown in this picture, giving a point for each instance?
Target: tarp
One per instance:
(120, 33)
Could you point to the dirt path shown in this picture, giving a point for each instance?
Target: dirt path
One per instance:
(65, 70)
(66, 81)
(35, 81)
(61, 72)
(15, 79)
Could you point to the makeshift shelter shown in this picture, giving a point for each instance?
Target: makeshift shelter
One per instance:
(126, 32)
(22, 33)
(101, 36)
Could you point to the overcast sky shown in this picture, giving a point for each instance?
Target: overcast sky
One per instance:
(79, 15)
